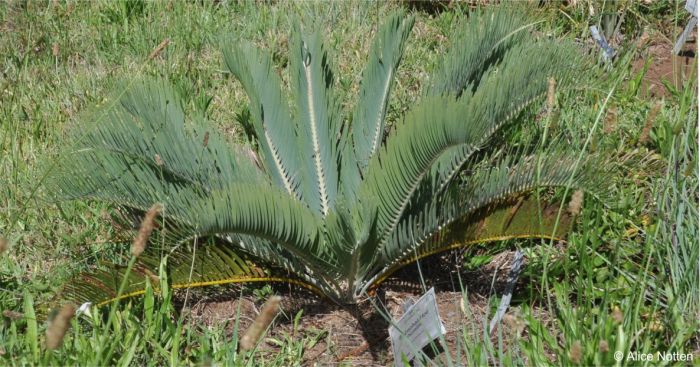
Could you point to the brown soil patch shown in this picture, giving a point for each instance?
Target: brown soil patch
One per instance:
(665, 66)
(358, 335)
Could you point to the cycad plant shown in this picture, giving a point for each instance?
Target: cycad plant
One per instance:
(327, 199)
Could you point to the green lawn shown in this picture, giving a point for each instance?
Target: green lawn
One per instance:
(627, 280)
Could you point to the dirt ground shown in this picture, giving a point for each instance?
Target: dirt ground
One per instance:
(359, 335)
(664, 66)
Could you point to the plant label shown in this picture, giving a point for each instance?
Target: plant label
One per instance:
(608, 52)
(418, 327)
(691, 7)
(684, 36)
(505, 301)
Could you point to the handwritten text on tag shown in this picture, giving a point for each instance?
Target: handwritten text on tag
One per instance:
(418, 327)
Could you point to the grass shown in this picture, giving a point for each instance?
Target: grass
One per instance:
(627, 280)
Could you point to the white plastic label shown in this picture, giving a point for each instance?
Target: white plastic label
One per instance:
(418, 326)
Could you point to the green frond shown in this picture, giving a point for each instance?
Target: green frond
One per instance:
(318, 118)
(512, 219)
(275, 130)
(276, 256)
(487, 43)
(442, 123)
(516, 175)
(480, 43)
(259, 211)
(470, 199)
(394, 173)
(340, 231)
(377, 79)
(142, 151)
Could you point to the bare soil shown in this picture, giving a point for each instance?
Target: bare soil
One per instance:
(665, 66)
(358, 335)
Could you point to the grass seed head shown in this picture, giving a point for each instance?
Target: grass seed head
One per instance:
(617, 315)
(12, 315)
(576, 202)
(3, 245)
(576, 352)
(611, 120)
(58, 327)
(649, 124)
(514, 322)
(147, 226)
(603, 346)
(264, 319)
(159, 49)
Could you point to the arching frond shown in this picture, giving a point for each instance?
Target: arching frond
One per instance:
(142, 151)
(565, 68)
(377, 79)
(318, 118)
(502, 221)
(480, 43)
(275, 130)
(188, 267)
(442, 123)
(481, 195)
(275, 256)
(258, 211)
